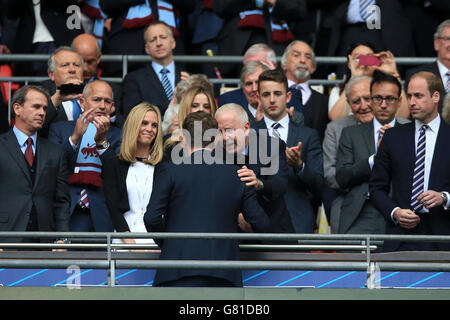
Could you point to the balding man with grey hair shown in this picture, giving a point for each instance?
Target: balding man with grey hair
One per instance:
(239, 141)
(88, 142)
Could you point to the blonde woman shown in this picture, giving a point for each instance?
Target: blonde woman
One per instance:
(195, 98)
(128, 178)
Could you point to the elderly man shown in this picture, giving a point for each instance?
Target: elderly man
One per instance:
(87, 142)
(65, 68)
(299, 63)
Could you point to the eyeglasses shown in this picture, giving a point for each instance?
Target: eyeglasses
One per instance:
(379, 100)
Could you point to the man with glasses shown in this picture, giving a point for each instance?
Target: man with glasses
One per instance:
(441, 67)
(410, 180)
(355, 157)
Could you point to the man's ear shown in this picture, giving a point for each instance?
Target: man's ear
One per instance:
(288, 96)
(51, 75)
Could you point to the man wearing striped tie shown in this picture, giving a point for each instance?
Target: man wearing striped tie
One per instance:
(440, 67)
(410, 181)
(156, 82)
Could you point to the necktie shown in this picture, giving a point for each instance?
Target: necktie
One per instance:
(29, 152)
(419, 170)
(363, 8)
(447, 87)
(379, 136)
(76, 109)
(84, 201)
(275, 127)
(166, 83)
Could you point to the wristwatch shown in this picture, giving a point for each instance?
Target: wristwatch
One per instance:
(104, 145)
(444, 198)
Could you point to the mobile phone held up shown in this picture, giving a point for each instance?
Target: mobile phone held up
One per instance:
(369, 61)
(71, 88)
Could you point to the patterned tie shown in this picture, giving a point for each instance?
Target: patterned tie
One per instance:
(447, 87)
(379, 136)
(76, 109)
(363, 8)
(419, 170)
(84, 201)
(166, 83)
(29, 152)
(275, 127)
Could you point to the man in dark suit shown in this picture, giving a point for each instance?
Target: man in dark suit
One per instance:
(441, 67)
(249, 22)
(350, 24)
(34, 192)
(303, 151)
(299, 63)
(40, 38)
(96, 104)
(262, 162)
(213, 207)
(65, 66)
(409, 184)
(354, 161)
(247, 95)
(156, 82)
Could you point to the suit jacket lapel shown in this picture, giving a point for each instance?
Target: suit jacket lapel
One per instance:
(12, 146)
(41, 158)
(292, 138)
(157, 83)
(441, 144)
(368, 137)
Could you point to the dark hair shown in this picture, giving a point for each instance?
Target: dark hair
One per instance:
(433, 81)
(207, 122)
(276, 75)
(20, 95)
(380, 77)
(354, 45)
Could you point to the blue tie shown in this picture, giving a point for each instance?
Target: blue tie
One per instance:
(419, 170)
(166, 83)
(76, 109)
(363, 8)
(275, 127)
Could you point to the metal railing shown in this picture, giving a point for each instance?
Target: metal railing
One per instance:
(360, 244)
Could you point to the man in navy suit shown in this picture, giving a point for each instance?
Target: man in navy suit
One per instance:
(299, 63)
(303, 150)
(441, 67)
(213, 206)
(96, 103)
(410, 180)
(148, 83)
(262, 162)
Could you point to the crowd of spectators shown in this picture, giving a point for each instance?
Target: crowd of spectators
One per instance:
(337, 145)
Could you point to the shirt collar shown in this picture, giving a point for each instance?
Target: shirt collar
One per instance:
(22, 137)
(157, 67)
(284, 122)
(442, 70)
(377, 125)
(433, 124)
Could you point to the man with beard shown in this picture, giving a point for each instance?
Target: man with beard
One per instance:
(298, 61)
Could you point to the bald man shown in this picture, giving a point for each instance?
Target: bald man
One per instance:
(87, 46)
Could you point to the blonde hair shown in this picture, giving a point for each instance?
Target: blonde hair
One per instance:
(188, 98)
(185, 108)
(130, 133)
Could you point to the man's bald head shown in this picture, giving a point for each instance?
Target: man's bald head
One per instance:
(87, 46)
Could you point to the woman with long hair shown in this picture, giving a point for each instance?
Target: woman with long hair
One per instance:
(128, 178)
(195, 98)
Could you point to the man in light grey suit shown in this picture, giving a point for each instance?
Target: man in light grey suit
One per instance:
(355, 157)
(357, 92)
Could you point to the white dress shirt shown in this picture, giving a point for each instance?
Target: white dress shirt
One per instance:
(282, 130)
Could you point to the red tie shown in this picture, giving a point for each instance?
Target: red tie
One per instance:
(29, 152)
